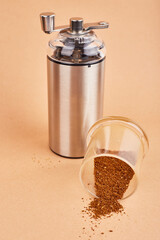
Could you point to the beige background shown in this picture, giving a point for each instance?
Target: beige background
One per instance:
(40, 193)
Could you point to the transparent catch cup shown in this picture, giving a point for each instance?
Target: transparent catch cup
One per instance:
(116, 137)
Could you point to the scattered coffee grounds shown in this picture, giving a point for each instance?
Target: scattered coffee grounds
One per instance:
(112, 178)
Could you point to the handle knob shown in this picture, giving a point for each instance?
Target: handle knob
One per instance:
(47, 22)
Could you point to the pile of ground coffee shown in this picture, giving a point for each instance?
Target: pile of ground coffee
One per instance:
(112, 178)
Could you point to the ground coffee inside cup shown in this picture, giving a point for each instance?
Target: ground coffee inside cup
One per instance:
(112, 178)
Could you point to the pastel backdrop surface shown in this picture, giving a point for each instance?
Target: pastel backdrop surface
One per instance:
(40, 192)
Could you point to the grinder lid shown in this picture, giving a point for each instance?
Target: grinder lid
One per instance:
(75, 43)
(76, 49)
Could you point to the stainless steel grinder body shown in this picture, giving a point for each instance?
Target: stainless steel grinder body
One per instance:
(75, 86)
(75, 99)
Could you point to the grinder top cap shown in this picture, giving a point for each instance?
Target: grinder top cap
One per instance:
(76, 43)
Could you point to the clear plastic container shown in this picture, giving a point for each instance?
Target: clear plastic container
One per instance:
(76, 49)
(117, 137)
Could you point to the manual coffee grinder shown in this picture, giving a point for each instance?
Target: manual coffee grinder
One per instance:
(75, 66)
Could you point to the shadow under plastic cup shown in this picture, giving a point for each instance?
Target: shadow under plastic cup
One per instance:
(116, 137)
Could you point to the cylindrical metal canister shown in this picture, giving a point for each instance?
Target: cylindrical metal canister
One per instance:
(75, 100)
